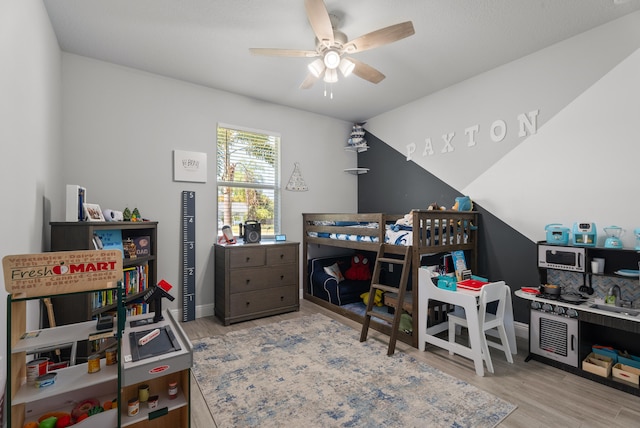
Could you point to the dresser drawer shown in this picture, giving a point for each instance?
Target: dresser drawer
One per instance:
(282, 254)
(249, 279)
(254, 302)
(246, 257)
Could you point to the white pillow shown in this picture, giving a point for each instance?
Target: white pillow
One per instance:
(334, 271)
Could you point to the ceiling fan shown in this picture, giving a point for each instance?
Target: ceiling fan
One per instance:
(333, 46)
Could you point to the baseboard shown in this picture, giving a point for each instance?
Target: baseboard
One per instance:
(201, 311)
(522, 329)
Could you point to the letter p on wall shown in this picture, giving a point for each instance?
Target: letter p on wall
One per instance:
(411, 148)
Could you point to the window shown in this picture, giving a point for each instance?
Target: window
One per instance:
(248, 177)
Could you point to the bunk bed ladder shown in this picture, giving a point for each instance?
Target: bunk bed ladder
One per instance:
(405, 261)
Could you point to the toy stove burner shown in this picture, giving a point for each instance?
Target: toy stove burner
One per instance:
(572, 298)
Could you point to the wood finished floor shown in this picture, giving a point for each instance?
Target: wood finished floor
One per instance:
(545, 396)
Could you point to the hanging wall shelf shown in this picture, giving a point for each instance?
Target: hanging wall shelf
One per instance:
(357, 171)
(357, 149)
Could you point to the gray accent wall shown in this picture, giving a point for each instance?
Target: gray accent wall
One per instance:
(394, 185)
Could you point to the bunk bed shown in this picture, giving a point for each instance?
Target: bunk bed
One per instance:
(428, 232)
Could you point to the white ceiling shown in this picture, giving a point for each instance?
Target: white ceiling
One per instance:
(207, 42)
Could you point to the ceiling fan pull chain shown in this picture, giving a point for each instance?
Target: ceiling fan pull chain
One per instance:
(330, 90)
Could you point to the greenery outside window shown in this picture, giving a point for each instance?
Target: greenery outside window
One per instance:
(248, 178)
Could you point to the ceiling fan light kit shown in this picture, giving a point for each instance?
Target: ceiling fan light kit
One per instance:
(316, 68)
(332, 59)
(330, 75)
(332, 44)
(346, 66)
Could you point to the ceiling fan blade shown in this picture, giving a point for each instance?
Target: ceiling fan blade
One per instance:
(320, 21)
(366, 72)
(380, 37)
(283, 52)
(308, 81)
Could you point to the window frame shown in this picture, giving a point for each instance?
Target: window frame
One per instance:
(275, 187)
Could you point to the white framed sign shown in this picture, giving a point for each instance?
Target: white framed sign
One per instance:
(189, 166)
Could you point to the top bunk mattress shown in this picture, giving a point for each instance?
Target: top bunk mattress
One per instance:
(356, 237)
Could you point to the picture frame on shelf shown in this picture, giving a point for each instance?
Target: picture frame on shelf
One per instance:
(93, 212)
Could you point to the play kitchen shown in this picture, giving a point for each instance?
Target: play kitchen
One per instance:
(589, 298)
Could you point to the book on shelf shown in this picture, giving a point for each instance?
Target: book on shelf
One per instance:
(135, 278)
(110, 239)
(459, 263)
(135, 281)
(101, 299)
(137, 307)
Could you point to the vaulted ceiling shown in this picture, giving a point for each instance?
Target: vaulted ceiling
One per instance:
(206, 42)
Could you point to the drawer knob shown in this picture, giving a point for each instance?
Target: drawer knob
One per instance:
(282, 256)
(281, 277)
(282, 298)
(248, 258)
(247, 281)
(248, 303)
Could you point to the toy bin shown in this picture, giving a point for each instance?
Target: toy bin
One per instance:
(597, 364)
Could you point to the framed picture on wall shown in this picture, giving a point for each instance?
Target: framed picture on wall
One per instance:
(189, 166)
(93, 212)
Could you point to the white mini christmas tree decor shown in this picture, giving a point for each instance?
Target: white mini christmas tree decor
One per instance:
(356, 138)
(296, 182)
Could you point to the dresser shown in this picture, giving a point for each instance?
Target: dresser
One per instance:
(256, 280)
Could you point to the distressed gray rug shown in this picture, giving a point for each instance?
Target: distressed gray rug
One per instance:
(314, 372)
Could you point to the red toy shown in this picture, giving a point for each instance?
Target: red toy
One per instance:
(359, 269)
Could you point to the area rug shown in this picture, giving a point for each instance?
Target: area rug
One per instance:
(314, 372)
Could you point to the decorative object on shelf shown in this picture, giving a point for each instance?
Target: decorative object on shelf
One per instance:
(143, 245)
(112, 215)
(356, 139)
(135, 215)
(357, 143)
(93, 212)
(129, 249)
(189, 166)
(76, 196)
(126, 214)
(296, 182)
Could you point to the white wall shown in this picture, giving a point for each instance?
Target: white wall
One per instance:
(581, 165)
(121, 125)
(29, 134)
